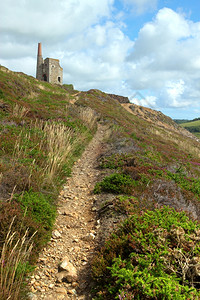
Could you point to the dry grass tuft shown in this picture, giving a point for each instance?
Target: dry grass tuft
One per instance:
(13, 259)
(86, 114)
(19, 111)
(1, 176)
(56, 141)
(19, 149)
(59, 145)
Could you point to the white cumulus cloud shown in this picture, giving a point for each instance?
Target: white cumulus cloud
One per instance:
(99, 59)
(165, 59)
(51, 19)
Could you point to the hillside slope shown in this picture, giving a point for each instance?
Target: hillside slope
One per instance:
(156, 146)
(156, 117)
(148, 162)
(193, 126)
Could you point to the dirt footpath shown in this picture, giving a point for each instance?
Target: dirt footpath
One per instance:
(63, 270)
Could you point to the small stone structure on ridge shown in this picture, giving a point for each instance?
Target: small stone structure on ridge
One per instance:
(49, 69)
(121, 99)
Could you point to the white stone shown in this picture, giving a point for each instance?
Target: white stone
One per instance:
(56, 234)
(70, 271)
(92, 235)
(32, 296)
(89, 237)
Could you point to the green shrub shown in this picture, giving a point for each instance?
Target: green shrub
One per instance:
(39, 208)
(189, 184)
(1, 94)
(115, 183)
(68, 87)
(153, 255)
(129, 205)
(116, 161)
(134, 136)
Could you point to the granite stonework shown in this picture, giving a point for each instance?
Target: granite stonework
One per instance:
(48, 69)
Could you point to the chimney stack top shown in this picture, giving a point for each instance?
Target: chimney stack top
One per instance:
(39, 49)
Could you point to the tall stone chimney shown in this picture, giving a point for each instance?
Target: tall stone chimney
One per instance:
(39, 49)
(49, 69)
(39, 72)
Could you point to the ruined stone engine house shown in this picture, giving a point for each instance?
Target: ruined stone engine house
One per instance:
(48, 69)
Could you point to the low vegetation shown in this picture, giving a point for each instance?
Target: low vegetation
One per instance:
(116, 183)
(154, 252)
(39, 142)
(153, 255)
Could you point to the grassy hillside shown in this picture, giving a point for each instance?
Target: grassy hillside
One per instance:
(39, 142)
(191, 123)
(149, 162)
(192, 126)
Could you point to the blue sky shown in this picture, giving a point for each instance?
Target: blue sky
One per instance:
(127, 47)
(134, 21)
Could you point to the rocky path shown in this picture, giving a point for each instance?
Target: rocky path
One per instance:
(63, 270)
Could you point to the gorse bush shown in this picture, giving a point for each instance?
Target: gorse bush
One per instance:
(115, 183)
(155, 255)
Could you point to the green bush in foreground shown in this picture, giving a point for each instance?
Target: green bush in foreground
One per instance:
(115, 183)
(40, 216)
(39, 208)
(155, 255)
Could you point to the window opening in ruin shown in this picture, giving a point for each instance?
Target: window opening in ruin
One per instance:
(45, 77)
(58, 79)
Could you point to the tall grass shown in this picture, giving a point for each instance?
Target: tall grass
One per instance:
(19, 111)
(54, 142)
(86, 114)
(59, 144)
(20, 148)
(1, 176)
(13, 262)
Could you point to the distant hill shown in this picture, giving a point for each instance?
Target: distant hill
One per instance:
(180, 121)
(193, 126)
